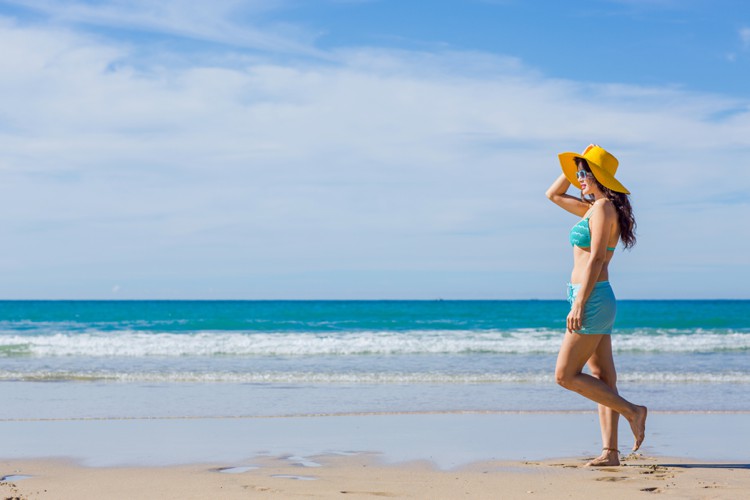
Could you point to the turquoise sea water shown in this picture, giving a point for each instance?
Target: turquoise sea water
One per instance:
(149, 358)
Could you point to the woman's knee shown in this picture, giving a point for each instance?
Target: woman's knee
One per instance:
(564, 378)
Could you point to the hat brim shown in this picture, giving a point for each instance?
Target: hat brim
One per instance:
(569, 168)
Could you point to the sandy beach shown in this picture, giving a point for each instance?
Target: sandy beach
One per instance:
(363, 477)
(451, 455)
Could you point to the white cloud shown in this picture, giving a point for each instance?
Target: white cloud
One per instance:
(215, 21)
(745, 37)
(384, 162)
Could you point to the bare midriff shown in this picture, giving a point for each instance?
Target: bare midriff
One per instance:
(581, 260)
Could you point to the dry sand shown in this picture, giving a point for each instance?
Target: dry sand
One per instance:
(362, 476)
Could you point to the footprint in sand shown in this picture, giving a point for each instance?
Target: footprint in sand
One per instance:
(652, 489)
(263, 489)
(611, 479)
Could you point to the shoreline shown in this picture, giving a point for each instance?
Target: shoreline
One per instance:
(449, 439)
(456, 454)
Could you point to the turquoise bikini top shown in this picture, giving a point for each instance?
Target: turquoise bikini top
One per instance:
(580, 235)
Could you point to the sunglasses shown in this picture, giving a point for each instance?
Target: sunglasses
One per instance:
(582, 174)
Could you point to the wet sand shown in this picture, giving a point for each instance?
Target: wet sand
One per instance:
(450, 455)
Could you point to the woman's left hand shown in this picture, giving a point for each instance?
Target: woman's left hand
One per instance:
(575, 317)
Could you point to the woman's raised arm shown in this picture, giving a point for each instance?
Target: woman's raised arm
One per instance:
(557, 192)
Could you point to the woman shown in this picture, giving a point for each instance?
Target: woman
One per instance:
(606, 218)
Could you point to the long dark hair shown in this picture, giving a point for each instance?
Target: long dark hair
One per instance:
(621, 201)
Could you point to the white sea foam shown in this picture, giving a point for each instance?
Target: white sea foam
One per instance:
(222, 343)
(732, 377)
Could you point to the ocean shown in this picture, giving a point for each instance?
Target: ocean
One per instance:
(143, 359)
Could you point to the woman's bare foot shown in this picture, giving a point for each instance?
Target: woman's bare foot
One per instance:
(638, 426)
(609, 456)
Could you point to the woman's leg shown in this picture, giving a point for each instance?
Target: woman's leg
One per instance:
(602, 366)
(575, 351)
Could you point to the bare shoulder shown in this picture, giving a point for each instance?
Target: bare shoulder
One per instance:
(605, 208)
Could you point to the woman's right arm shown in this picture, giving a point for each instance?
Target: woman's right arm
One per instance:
(557, 192)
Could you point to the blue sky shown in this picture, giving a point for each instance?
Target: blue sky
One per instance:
(365, 149)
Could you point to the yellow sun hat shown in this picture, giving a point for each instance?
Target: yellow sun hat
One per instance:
(602, 164)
